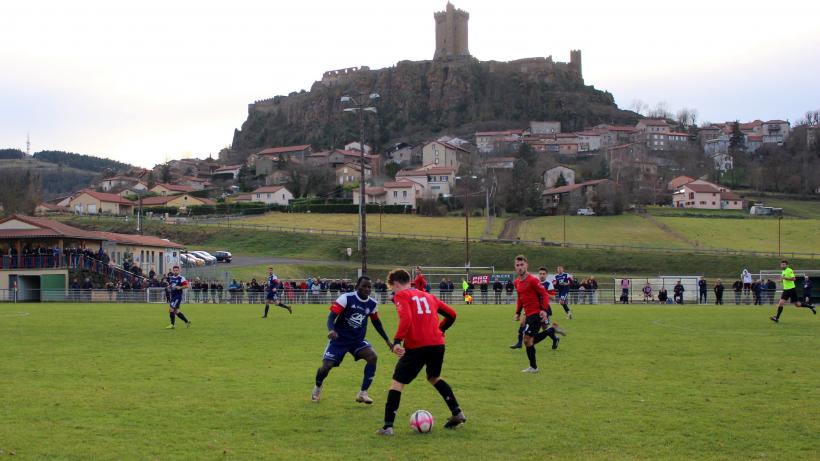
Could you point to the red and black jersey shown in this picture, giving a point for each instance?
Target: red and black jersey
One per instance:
(419, 323)
(420, 283)
(532, 296)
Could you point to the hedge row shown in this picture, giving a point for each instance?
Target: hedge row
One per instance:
(351, 208)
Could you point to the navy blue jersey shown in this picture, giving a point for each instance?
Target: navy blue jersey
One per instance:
(562, 282)
(547, 285)
(273, 283)
(352, 314)
(177, 281)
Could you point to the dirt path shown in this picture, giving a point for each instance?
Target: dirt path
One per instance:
(678, 236)
(511, 227)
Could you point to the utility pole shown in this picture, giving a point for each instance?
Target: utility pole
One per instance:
(139, 216)
(467, 230)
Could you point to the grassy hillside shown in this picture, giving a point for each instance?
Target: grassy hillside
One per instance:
(448, 226)
(606, 230)
(797, 235)
(406, 252)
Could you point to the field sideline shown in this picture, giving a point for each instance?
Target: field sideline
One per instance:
(106, 381)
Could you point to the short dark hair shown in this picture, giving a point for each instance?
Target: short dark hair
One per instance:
(362, 279)
(398, 276)
(175, 267)
(785, 261)
(542, 268)
(521, 258)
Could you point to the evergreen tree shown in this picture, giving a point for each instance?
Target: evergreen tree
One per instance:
(561, 181)
(737, 141)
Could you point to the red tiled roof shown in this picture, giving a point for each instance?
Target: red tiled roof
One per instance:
(654, 122)
(572, 187)
(399, 184)
(244, 197)
(143, 240)
(47, 228)
(372, 191)
(777, 121)
(163, 199)
(106, 197)
(499, 133)
(176, 187)
(268, 189)
(755, 138)
(679, 181)
(228, 168)
(704, 188)
(283, 150)
(729, 195)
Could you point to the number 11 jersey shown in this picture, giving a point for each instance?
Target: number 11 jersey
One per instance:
(419, 324)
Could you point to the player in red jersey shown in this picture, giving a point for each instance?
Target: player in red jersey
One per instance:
(423, 338)
(420, 282)
(533, 299)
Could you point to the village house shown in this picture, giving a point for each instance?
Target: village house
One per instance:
(272, 195)
(116, 183)
(551, 176)
(351, 172)
(265, 160)
(491, 141)
(588, 141)
(707, 196)
(568, 199)
(181, 201)
(227, 173)
(171, 189)
(195, 183)
(444, 154)
(402, 192)
(93, 202)
(545, 128)
(356, 146)
(434, 180)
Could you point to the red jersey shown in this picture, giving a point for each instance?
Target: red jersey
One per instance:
(420, 283)
(532, 296)
(419, 325)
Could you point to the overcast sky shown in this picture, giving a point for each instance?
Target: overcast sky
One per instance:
(147, 81)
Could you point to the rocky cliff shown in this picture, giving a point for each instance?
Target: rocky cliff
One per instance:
(426, 98)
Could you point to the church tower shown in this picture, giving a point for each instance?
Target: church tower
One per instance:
(451, 33)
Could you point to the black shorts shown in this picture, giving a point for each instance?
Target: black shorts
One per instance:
(789, 295)
(532, 324)
(413, 360)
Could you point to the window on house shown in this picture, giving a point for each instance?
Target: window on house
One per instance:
(691, 195)
(395, 194)
(404, 194)
(268, 195)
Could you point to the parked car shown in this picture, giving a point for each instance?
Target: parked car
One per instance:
(193, 260)
(223, 256)
(585, 212)
(205, 256)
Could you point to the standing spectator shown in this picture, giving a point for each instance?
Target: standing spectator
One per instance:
(663, 295)
(75, 290)
(87, 287)
(484, 288)
(450, 289)
(806, 290)
(465, 287)
(747, 284)
(509, 287)
(757, 292)
(678, 292)
(498, 287)
(718, 292)
(702, 287)
(219, 290)
(771, 288)
(738, 288)
(592, 288)
(233, 288)
(626, 284)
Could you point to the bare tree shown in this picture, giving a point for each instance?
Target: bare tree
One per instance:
(661, 110)
(638, 106)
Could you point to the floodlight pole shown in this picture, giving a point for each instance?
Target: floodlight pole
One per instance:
(361, 107)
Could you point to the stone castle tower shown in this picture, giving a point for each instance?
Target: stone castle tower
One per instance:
(451, 33)
(575, 61)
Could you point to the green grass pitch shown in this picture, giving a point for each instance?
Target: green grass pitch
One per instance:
(106, 381)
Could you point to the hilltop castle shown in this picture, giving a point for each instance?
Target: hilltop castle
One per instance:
(451, 33)
(452, 50)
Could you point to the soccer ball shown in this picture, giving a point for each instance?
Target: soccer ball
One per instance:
(421, 421)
